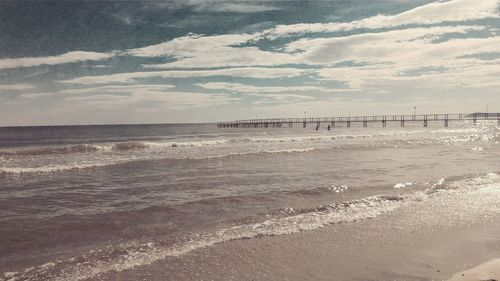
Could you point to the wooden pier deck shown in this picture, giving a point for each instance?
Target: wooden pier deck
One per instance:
(347, 121)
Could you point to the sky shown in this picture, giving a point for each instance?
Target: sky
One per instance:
(174, 61)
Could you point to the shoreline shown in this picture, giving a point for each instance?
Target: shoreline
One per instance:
(429, 240)
(488, 271)
(325, 255)
(417, 236)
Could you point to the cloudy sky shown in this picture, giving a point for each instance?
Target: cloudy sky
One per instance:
(101, 62)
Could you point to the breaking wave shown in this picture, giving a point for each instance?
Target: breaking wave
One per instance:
(126, 256)
(261, 152)
(49, 168)
(80, 148)
(86, 148)
(115, 258)
(138, 145)
(78, 166)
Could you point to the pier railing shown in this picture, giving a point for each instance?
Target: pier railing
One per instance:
(383, 119)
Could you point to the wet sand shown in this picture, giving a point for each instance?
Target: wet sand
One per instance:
(428, 240)
(488, 271)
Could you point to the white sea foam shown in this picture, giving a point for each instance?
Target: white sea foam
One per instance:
(403, 185)
(327, 137)
(46, 150)
(338, 188)
(469, 138)
(439, 183)
(97, 162)
(105, 147)
(255, 152)
(186, 144)
(458, 137)
(20, 160)
(127, 256)
(48, 168)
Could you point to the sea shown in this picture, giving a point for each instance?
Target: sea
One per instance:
(84, 202)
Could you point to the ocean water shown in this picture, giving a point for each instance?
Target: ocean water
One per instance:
(83, 202)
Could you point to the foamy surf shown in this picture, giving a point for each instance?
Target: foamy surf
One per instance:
(60, 158)
(129, 255)
(104, 147)
(49, 168)
(403, 185)
(97, 163)
(47, 150)
(126, 256)
(468, 135)
(143, 145)
(261, 152)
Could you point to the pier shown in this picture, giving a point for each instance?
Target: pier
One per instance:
(424, 119)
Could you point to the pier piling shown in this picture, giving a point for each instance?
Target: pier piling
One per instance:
(334, 121)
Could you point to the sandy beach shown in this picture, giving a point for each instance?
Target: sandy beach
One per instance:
(428, 239)
(489, 271)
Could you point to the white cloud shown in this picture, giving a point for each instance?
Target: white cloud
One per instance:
(433, 13)
(434, 48)
(265, 94)
(170, 100)
(448, 11)
(76, 56)
(273, 95)
(393, 60)
(103, 90)
(148, 95)
(242, 88)
(279, 98)
(462, 74)
(16, 87)
(236, 8)
(227, 51)
(247, 72)
(35, 95)
(390, 58)
(196, 51)
(378, 47)
(213, 51)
